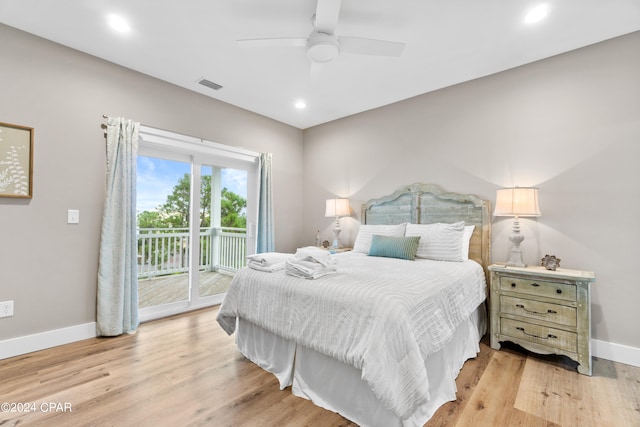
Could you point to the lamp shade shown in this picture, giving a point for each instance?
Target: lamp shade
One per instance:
(337, 207)
(517, 201)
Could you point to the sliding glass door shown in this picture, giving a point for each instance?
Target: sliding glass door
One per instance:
(163, 198)
(195, 216)
(223, 222)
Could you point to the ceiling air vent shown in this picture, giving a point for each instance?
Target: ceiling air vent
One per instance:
(210, 84)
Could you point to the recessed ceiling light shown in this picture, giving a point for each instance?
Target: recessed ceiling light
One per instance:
(300, 105)
(536, 14)
(118, 23)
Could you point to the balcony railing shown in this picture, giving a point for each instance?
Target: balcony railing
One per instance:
(163, 251)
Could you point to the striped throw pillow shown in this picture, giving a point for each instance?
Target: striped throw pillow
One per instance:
(439, 241)
(394, 247)
(363, 240)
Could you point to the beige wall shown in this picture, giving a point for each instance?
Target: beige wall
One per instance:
(569, 125)
(49, 268)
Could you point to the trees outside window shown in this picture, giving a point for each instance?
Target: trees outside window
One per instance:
(174, 213)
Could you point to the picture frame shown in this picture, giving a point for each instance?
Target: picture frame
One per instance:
(16, 161)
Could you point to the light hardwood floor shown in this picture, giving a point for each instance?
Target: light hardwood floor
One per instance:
(185, 371)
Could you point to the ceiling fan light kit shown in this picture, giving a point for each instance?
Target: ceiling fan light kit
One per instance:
(322, 47)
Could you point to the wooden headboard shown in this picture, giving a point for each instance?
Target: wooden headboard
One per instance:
(427, 204)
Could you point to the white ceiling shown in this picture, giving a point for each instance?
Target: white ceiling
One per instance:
(447, 42)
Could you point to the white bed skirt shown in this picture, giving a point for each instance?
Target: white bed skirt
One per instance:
(338, 387)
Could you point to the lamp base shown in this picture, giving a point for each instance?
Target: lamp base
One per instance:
(516, 253)
(516, 258)
(336, 235)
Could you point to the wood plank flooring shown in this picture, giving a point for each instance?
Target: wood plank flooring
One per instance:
(185, 371)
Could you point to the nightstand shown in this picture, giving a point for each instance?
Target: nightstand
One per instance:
(544, 311)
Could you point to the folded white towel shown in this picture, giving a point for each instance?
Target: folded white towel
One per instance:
(310, 263)
(267, 268)
(312, 253)
(268, 258)
(307, 269)
(268, 261)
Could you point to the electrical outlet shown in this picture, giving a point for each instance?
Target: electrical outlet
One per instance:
(6, 308)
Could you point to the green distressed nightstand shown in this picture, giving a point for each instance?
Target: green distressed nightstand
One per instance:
(544, 311)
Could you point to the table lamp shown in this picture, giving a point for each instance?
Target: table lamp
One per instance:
(337, 208)
(517, 202)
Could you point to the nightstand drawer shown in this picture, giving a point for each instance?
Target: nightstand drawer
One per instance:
(549, 337)
(537, 310)
(538, 288)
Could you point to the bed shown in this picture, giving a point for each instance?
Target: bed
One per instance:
(382, 339)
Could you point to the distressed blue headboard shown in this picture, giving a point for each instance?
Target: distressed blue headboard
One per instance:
(429, 203)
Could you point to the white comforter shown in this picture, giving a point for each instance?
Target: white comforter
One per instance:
(381, 315)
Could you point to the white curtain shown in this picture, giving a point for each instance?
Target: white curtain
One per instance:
(265, 239)
(117, 305)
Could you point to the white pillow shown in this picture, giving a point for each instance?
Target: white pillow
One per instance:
(466, 238)
(439, 241)
(363, 239)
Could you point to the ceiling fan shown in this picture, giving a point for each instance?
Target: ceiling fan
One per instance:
(322, 45)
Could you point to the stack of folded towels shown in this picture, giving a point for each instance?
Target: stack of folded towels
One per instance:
(310, 263)
(269, 261)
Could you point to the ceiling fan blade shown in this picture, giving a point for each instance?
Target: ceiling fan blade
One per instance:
(362, 46)
(326, 18)
(275, 42)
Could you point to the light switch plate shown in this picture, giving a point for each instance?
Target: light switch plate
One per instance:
(73, 216)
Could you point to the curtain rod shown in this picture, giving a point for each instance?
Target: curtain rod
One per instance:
(106, 116)
(104, 126)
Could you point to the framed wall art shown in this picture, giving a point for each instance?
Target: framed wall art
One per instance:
(16, 161)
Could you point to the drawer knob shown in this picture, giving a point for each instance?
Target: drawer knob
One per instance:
(558, 291)
(536, 336)
(535, 285)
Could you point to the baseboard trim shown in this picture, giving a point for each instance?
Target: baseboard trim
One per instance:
(616, 352)
(41, 341)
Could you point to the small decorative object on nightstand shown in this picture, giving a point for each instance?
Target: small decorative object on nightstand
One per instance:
(544, 311)
(550, 262)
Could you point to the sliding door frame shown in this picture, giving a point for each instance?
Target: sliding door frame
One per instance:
(198, 152)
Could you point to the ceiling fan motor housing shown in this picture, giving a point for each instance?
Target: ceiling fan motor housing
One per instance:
(322, 47)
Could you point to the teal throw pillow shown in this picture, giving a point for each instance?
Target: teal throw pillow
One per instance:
(394, 247)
